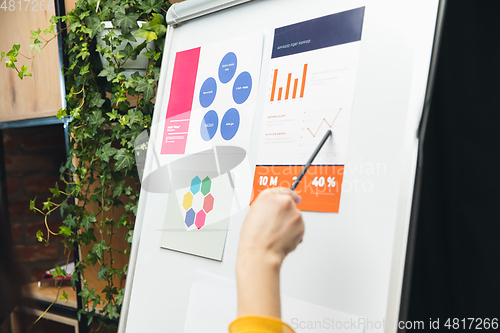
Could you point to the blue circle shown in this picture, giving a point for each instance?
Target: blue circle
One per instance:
(227, 67)
(242, 87)
(209, 125)
(207, 92)
(230, 124)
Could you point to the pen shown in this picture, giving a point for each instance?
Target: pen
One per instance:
(311, 159)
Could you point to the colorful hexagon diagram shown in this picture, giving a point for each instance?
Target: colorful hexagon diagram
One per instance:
(187, 202)
(200, 219)
(190, 215)
(205, 185)
(208, 203)
(198, 202)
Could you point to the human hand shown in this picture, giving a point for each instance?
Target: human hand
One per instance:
(273, 228)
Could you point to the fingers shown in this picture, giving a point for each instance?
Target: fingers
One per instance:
(297, 199)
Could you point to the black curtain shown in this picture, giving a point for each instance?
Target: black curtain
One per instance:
(456, 272)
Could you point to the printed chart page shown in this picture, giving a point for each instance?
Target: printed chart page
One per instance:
(310, 90)
(208, 121)
(213, 96)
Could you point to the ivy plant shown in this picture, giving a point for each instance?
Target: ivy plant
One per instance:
(106, 112)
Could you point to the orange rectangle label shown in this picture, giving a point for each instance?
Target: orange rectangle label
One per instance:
(320, 188)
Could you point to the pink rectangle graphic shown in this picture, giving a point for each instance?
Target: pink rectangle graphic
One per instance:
(180, 102)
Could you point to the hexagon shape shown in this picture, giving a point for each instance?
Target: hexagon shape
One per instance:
(197, 202)
(187, 202)
(206, 184)
(195, 185)
(208, 203)
(200, 219)
(190, 215)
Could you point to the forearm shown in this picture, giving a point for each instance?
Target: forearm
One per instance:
(258, 285)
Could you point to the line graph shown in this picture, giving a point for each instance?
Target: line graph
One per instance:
(321, 123)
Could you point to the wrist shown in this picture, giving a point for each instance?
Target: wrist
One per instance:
(258, 283)
(252, 259)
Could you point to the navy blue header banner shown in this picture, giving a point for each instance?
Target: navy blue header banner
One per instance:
(326, 31)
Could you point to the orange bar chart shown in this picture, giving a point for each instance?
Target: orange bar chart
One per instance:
(286, 88)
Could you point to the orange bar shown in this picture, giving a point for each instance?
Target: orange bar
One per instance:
(280, 91)
(303, 81)
(295, 84)
(288, 85)
(274, 84)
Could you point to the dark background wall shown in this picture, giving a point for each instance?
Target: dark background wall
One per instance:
(457, 255)
(33, 156)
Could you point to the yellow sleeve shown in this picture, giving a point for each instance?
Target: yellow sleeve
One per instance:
(259, 324)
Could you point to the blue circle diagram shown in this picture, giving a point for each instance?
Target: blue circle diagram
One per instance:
(242, 87)
(209, 125)
(227, 67)
(207, 92)
(230, 124)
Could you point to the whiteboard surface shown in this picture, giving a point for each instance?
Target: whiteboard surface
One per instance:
(352, 261)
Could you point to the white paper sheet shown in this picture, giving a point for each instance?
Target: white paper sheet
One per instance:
(212, 307)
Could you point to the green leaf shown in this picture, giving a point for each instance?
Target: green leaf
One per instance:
(125, 21)
(150, 5)
(36, 45)
(156, 73)
(102, 273)
(58, 272)
(108, 72)
(119, 298)
(81, 16)
(113, 115)
(54, 19)
(147, 86)
(63, 230)
(130, 236)
(158, 25)
(96, 100)
(75, 113)
(24, 72)
(49, 30)
(91, 318)
(14, 51)
(118, 188)
(39, 236)
(149, 35)
(126, 53)
(47, 204)
(112, 311)
(35, 34)
(74, 278)
(94, 24)
(97, 301)
(134, 116)
(55, 191)
(87, 220)
(96, 118)
(87, 293)
(106, 152)
(85, 69)
(61, 113)
(123, 159)
(70, 221)
(99, 248)
(128, 36)
(64, 296)
(32, 204)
